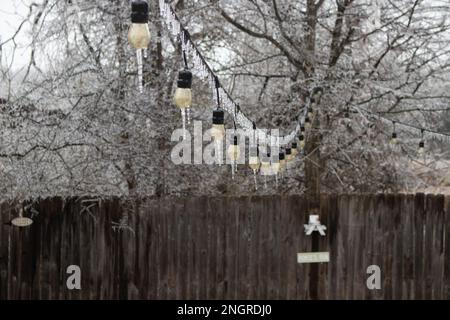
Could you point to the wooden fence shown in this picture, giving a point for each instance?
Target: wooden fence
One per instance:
(229, 248)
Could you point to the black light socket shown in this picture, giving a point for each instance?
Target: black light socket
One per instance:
(394, 135)
(294, 145)
(218, 117)
(139, 11)
(288, 151)
(185, 79)
(281, 156)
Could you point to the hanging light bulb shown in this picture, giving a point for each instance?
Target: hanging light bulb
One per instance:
(275, 165)
(294, 149)
(234, 153)
(218, 128)
(301, 139)
(421, 150)
(265, 165)
(394, 139)
(183, 94)
(317, 94)
(289, 155)
(233, 150)
(310, 112)
(282, 161)
(139, 34)
(307, 122)
(347, 113)
(253, 159)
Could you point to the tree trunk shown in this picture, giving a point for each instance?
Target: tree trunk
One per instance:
(312, 161)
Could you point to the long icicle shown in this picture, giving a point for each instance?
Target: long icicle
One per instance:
(232, 170)
(183, 117)
(140, 73)
(188, 115)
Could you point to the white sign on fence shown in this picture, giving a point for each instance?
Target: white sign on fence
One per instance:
(313, 257)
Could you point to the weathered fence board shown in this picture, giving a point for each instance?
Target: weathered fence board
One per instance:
(229, 248)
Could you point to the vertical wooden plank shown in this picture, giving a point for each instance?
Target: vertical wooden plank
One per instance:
(388, 224)
(255, 258)
(342, 248)
(273, 246)
(211, 251)
(428, 246)
(290, 254)
(438, 247)
(214, 221)
(322, 286)
(407, 218)
(360, 263)
(303, 244)
(191, 241)
(286, 252)
(332, 231)
(203, 230)
(377, 242)
(419, 215)
(398, 247)
(221, 212)
(263, 223)
(446, 249)
(244, 238)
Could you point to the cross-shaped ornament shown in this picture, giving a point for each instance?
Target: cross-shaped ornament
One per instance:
(314, 225)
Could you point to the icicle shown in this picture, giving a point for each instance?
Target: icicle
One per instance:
(232, 170)
(139, 63)
(145, 53)
(276, 180)
(188, 115)
(254, 178)
(183, 118)
(265, 182)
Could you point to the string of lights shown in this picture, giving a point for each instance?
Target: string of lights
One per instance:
(229, 105)
(405, 124)
(225, 102)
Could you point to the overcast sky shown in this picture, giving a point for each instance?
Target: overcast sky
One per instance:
(12, 13)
